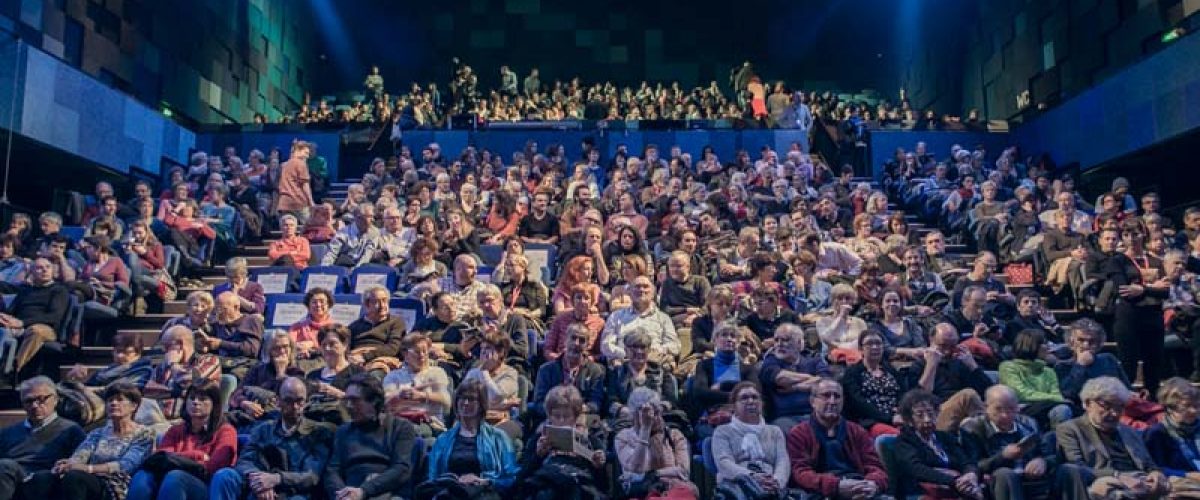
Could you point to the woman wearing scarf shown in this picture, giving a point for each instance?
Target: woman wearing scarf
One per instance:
(716, 377)
(1174, 442)
(751, 456)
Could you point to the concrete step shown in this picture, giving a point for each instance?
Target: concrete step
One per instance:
(252, 251)
(149, 335)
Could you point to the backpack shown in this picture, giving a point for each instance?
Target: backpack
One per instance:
(77, 403)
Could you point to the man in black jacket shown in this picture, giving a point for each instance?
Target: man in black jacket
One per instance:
(36, 312)
(375, 338)
(950, 372)
(1008, 447)
(372, 453)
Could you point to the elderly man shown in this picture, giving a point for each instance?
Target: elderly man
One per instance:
(372, 453)
(36, 312)
(788, 376)
(1101, 456)
(948, 370)
(642, 315)
(304, 443)
(37, 443)
(1079, 221)
(831, 456)
(572, 368)
(982, 275)
(375, 337)
(235, 337)
(356, 243)
(1009, 448)
(463, 285)
(395, 240)
(453, 338)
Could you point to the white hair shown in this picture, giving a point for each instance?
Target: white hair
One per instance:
(1104, 387)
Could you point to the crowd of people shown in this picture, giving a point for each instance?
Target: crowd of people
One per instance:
(789, 330)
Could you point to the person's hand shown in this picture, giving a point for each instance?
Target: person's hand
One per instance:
(991, 295)
(1158, 481)
(212, 343)
(847, 488)
(598, 458)
(965, 356)
(356, 359)
(923, 311)
(966, 482)
(1131, 291)
(844, 310)
(260, 481)
(980, 330)
(1011, 452)
(254, 409)
(471, 479)
(1035, 467)
(932, 356)
(864, 489)
(543, 445)
(897, 420)
(77, 373)
(1135, 482)
(349, 493)
(61, 467)
(1085, 358)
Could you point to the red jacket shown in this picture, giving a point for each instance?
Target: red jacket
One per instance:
(220, 451)
(805, 453)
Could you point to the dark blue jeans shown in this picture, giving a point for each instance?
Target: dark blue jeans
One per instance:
(176, 485)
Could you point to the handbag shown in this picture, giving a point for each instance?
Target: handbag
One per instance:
(161, 462)
(166, 290)
(1019, 273)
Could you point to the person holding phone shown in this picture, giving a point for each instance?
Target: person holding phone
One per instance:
(1009, 448)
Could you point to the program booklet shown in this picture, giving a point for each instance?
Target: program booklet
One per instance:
(566, 439)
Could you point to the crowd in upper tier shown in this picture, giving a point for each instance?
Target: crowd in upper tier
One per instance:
(654, 323)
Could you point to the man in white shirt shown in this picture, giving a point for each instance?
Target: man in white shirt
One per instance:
(641, 315)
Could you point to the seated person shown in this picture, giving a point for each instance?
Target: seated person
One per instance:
(902, 333)
(645, 316)
(94, 471)
(251, 297)
(13, 268)
(524, 295)
(1172, 440)
(649, 445)
(328, 383)
(181, 367)
(372, 453)
(306, 442)
(128, 366)
(38, 443)
(36, 312)
(1103, 457)
(1031, 315)
(454, 338)
(546, 472)
(982, 274)
(104, 272)
(719, 306)
(255, 397)
(474, 456)
(355, 244)
(751, 455)
(981, 332)
(464, 284)
(319, 228)
(501, 382)
(235, 337)
(1086, 340)
(932, 458)
(831, 456)
(638, 371)
(419, 385)
(715, 377)
(922, 284)
(1035, 383)
(1009, 448)
(203, 437)
(375, 338)
(319, 303)
(787, 375)
(839, 329)
(573, 368)
(767, 315)
(421, 271)
(584, 312)
(291, 249)
(873, 388)
(950, 372)
(496, 317)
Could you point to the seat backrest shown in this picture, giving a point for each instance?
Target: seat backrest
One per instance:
(284, 310)
(275, 279)
(370, 275)
(347, 308)
(411, 310)
(886, 447)
(484, 273)
(332, 278)
(75, 233)
(317, 252)
(491, 254)
(710, 462)
(544, 257)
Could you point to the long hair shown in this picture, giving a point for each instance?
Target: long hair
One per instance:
(212, 391)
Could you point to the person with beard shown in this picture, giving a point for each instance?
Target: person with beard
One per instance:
(372, 453)
(831, 456)
(1102, 455)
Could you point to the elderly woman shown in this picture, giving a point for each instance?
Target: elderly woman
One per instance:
(419, 385)
(747, 450)
(255, 397)
(320, 226)
(1173, 442)
(716, 377)
(331, 380)
(650, 446)
(421, 267)
(514, 246)
(202, 437)
(929, 457)
(638, 371)
(1035, 383)
(839, 328)
(501, 382)
(473, 455)
(291, 249)
(319, 303)
(873, 388)
(251, 298)
(523, 295)
(200, 306)
(548, 472)
(719, 306)
(180, 368)
(128, 366)
(99, 468)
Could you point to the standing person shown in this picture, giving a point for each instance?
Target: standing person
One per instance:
(295, 188)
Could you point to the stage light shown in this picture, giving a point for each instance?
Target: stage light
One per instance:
(1172, 35)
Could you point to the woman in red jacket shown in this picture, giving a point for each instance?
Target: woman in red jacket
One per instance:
(202, 437)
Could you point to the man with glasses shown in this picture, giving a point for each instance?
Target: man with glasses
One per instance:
(37, 443)
(283, 457)
(395, 240)
(375, 337)
(356, 243)
(1103, 457)
(831, 456)
(1009, 448)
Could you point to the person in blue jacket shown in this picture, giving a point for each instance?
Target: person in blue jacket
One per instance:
(473, 458)
(1172, 442)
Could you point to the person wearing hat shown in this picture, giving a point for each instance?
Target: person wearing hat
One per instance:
(1120, 189)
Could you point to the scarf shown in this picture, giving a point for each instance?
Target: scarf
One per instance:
(1185, 437)
(726, 367)
(751, 438)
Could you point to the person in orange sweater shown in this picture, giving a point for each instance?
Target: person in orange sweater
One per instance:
(204, 437)
(291, 249)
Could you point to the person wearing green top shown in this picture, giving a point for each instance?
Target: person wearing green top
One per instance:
(1035, 383)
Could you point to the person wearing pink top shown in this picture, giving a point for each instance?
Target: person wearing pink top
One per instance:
(319, 302)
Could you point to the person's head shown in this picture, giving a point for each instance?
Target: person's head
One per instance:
(1104, 401)
(1181, 399)
(726, 337)
(642, 293)
(42, 271)
(491, 300)
(493, 348)
(415, 347)
(578, 339)
(919, 409)
(121, 400)
(39, 398)
(333, 340)
(471, 401)
(127, 348)
(1028, 344)
(843, 295)
(1028, 302)
(945, 339)
(229, 307)
(445, 306)
(202, 409)
(1086, 335)
(464, 269)
(679, 266)
(747, 402)
(644, 400)
(293, 394)
(517, 266)
(871, 343)
(50, 223)
(974, 298)
(1133, 233)
(423, 250)
(935, 243)
(1001, 406)
(827, 401)
(364, 398)
(289, 225)
(319, 302)
(1174, 264)
(1108, 239)
(280, 349)
(375, 303)
(178, 343)
(564, 405)
(985, 264)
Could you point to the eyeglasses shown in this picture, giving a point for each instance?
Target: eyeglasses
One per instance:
(1109, 406)
(38, 400)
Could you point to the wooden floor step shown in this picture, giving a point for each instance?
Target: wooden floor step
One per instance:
(175, 306)
(149, 335)
(11, 417)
